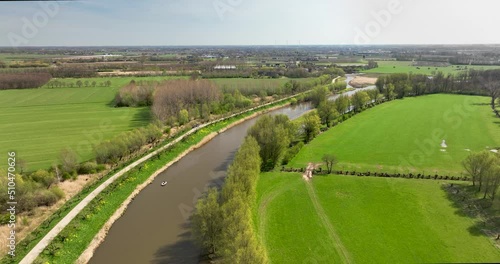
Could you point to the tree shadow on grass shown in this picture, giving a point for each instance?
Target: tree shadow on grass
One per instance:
(141, 117)
(480, 104)
(463, 199)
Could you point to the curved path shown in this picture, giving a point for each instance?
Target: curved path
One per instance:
(339, 246)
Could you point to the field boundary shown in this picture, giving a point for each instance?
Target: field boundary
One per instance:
(380, 174)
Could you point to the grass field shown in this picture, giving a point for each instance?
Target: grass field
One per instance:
(341, 219)
(39, 123)
(406, 135)
(387, 67)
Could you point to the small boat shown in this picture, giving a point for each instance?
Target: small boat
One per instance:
(164, 183)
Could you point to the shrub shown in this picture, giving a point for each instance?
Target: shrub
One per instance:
(46, 198)
(58, 192)
(43, 177)
(87, 168)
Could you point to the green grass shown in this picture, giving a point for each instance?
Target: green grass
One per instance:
(377, 220)
(387, 67)
(39, 123)
(405, 135)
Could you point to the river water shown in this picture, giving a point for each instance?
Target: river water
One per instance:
(154, 228)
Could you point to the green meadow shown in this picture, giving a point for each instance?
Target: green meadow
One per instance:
(345, 219)
(39, 123)
(387, 67)
(406, 135)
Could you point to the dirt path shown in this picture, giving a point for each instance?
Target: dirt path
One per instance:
(308, 174)
(339, 246)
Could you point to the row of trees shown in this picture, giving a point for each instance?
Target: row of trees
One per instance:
(400, 85)
(23, 80)
(79, 83)
(114, 150)
(222, 223)
(484, 168)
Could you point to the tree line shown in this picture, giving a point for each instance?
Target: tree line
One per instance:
(23, 80)
(222, 223)
(471, 82)
(484, 168)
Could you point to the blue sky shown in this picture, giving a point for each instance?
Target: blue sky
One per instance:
(249, 22)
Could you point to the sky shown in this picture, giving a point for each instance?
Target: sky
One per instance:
(247, 22)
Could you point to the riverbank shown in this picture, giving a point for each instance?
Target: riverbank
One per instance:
(120, 197)
(101, 235)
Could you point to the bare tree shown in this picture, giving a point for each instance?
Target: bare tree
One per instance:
(330, 161)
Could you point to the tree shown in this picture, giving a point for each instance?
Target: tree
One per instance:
(79, 83)
(207, 222)
(494, 181)
(327, 112)
(319, 95)
(273, 134)
(69, 160)
(389, 91)
(342, 104)
(359, 100)
(311, 126)
(183, 117)
(477, 166)
(330, 161)
(373, 94)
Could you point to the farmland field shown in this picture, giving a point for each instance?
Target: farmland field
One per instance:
(387, 67)
(39, 123)
(406, 136)
(347, 219)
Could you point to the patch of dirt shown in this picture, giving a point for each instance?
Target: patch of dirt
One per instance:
(308, 174)
(362, 81)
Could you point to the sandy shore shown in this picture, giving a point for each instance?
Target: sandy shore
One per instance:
(362, 81)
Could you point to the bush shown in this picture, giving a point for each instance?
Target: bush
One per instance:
(43, 177)
(88, 168)
(57, 192)
(26, 202)
(46, 198)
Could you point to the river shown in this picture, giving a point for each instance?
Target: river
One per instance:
(154, 228)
